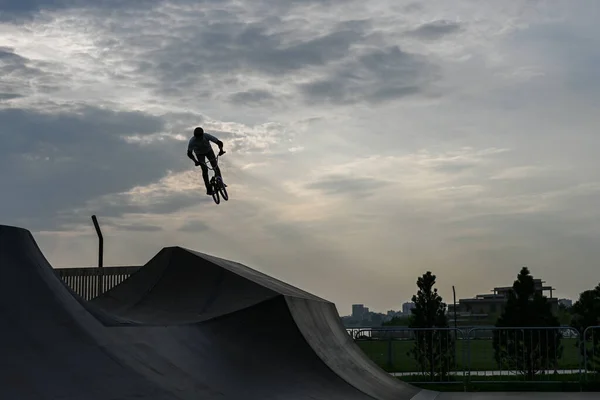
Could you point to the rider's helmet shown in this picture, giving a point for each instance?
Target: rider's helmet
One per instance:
(198, 132)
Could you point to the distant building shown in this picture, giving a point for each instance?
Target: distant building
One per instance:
(376, 319)
(566, 302)
(391, 314)
(406, 307)
(363, 317)
(482, 305)
(538, 287)
(358, 311)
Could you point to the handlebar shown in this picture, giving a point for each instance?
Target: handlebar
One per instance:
(216, 159)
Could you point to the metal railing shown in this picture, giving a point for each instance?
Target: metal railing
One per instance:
(90, 282)
(438, 351)
(484, 354)
(590, 345)
(524, 354)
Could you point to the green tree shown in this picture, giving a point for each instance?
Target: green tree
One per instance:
(398, 321)
(376, 320)
(586, 313)
(528, 351)
(434, 349)
(564, 314)
(564, 308)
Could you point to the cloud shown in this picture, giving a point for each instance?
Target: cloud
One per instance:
(435, 30)
(253, 97)
(261, 139)
(522, 172)
(73, 156)
(10, 60)
(122, 204)
(135, 227)
(15, 9)
(232, 47)
(16, 70)
(347, 185)
(194, 226)
(9, 96)
(171, 194)
(377, 75)
(459, 127)
(22, 10)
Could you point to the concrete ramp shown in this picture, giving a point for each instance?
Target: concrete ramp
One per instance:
(180, 286)
(55, 347)
(50, 346)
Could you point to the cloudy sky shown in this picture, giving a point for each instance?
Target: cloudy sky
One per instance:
(367, 142)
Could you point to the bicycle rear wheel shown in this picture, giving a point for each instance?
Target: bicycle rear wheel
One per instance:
(215, 191)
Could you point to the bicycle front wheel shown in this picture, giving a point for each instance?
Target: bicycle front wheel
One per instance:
(222, 189)
(215, 194)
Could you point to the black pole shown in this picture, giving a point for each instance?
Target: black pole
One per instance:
(100, 254)
(454, 294)
(100, 241)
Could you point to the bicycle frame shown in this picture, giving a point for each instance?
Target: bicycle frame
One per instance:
(207, 163)
(216, 182)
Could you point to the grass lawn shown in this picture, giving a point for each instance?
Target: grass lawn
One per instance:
(560, 383)
(481, 355)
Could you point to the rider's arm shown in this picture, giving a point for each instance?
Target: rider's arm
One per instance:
(214, 140)
(190, 152)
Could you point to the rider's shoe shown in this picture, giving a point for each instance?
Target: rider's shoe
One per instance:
(209, 192)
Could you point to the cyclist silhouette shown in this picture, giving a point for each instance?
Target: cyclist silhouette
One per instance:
(199, 145)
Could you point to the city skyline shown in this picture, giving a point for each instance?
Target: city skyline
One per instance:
(367, 142)
(549, 291)
(402, 311)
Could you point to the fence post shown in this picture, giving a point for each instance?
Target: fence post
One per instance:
(454, 296)
(390, 354)
(585, 353)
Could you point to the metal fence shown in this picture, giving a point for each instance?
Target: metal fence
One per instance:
(93, 281)
(590, 344)
(524, 354)
(417, 355)
(485, 354)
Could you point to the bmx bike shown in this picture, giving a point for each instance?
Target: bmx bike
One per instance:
(216, 183)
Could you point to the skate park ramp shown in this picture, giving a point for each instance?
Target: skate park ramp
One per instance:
(185, 326)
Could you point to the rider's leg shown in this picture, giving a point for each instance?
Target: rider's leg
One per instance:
(205, 178)
(216, 168)
(213, 162)
(205, 175)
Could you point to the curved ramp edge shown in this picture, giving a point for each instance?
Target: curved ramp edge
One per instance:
(50, 346)
(321, 326)
(258, 277)
(180, 287)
